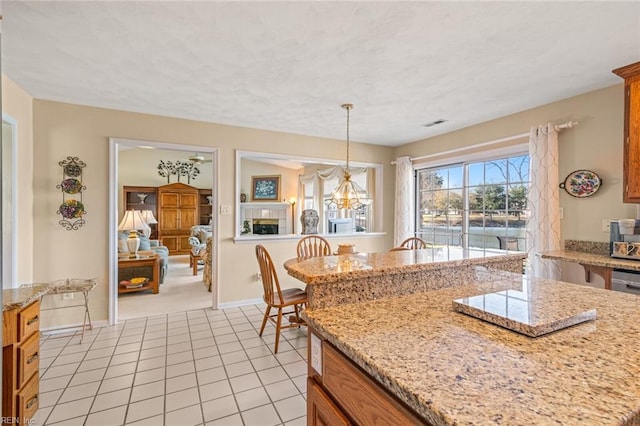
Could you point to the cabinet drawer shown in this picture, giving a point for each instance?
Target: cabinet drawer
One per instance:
(28, 358)
(362, 399)
(28, 400)
(28, 320)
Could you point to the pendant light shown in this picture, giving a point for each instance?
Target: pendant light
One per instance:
(348, 194)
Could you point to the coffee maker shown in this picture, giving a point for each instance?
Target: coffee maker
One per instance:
(624, 238)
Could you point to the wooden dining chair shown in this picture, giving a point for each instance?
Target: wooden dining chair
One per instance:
(414, 243)
(400, 249)
(313, 246)
(277, 298)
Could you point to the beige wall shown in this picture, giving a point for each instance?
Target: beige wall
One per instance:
(19, 105)
(62, 129)
(595, 144)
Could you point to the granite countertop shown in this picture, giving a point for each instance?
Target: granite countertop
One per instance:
(326, 269)
(16, 298)
(455, 369)
(594, 259)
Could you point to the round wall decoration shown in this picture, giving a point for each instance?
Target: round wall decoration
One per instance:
(581, 183)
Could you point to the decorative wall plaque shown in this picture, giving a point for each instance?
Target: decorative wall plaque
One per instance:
(72, 208)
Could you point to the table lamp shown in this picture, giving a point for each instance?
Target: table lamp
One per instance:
(149, 219)
(132, 221)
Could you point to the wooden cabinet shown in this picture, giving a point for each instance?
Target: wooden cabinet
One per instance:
(205, 207)
(142, 198)
(20, 362)
(321, 411)
(343, 394)
(177, 213)
(631, 162)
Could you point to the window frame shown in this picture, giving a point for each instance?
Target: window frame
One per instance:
(464, 158)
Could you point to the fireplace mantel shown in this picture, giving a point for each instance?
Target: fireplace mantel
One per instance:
(278, 212)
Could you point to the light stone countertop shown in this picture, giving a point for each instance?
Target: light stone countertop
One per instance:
(591, 259)
(455, 369)
(328, 269)
(16, 298)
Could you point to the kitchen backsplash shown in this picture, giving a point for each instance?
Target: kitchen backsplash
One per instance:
(593, 247)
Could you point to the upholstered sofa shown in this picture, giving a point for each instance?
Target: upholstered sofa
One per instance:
(145, 245)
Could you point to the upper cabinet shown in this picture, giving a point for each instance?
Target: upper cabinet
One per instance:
(631, 162)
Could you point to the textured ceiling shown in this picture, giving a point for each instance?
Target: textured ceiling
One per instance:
(288, 66)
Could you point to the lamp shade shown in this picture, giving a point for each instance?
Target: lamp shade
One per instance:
(132, 221)
(147, 216)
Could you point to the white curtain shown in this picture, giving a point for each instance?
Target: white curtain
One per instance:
(404, 207)
(543, 228)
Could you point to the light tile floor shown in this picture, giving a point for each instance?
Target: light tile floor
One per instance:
(200, 367)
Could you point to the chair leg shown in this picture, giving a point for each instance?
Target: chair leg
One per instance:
(278, 325)
(298, 319)
(190, 259)
(195, 266)
(264, 320)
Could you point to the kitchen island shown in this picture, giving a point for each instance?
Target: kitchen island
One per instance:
(334, 280)
(428, 364)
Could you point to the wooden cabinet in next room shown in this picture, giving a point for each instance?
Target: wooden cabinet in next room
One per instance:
(177, 213)
(631, 161)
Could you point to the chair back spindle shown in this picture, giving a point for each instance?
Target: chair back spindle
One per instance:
(313, 246)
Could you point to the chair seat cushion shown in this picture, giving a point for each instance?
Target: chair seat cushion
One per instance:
(293, 296)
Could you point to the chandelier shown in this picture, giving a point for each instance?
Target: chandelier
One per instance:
(348, 194)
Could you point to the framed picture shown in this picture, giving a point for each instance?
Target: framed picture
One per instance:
(265, 188)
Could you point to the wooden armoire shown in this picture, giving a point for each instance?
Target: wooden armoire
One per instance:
(177, 213)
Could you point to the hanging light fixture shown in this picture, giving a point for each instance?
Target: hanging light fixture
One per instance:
(348, 194)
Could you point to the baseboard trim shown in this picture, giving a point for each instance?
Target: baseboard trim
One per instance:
(239, 303)
(58, 329)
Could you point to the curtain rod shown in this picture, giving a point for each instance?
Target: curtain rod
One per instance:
(558, 127)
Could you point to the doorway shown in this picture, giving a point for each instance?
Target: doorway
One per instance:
(135, 162)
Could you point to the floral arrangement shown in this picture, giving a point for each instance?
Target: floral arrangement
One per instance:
(71, 209)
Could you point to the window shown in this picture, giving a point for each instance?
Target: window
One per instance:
(476, 204)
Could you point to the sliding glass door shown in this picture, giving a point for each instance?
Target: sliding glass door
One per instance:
(478, 204)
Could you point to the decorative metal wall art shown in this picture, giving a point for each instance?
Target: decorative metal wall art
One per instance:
(72, 208)
(179, 168)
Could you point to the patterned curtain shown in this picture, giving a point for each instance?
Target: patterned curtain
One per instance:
(543, 228)
(404, 207)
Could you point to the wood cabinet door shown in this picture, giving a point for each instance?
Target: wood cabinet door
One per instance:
(169, 220)
(189, 200)
(632, 140)
(171, 243)
(170, 199)
(188, 218)
(321, 411)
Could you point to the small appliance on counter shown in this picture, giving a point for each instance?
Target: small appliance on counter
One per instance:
(624, 238)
